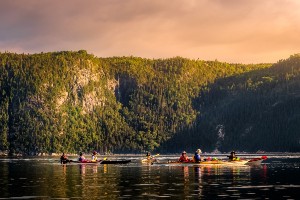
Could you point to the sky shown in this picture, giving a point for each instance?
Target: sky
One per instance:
(235, 31)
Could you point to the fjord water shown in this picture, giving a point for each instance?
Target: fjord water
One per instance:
(44, 178)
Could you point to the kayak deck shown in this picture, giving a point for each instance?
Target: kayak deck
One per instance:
(149, 161)
(254, 161)
(214, 162)
(98, 162)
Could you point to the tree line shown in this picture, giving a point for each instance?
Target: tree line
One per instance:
(73, 101)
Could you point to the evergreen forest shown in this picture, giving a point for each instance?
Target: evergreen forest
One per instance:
(73, 101)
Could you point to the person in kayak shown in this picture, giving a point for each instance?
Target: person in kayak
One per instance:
(233, 157)
(81, 157)
(94, 157)
(64, 159)
(184, 157)
(197, 157)
(148, 156)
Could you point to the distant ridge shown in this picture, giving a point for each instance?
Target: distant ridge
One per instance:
(73, 101)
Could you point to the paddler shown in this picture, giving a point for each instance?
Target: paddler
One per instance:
(197, 157)
(94, 157)
(64, 159)
(148, 155)
(81, 157)
(184, 157)
(233, 157)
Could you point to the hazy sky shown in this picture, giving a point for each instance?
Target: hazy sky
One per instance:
(244, 31)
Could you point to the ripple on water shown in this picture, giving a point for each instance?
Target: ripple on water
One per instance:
(223, 195)
(31, 197)
(146, 184)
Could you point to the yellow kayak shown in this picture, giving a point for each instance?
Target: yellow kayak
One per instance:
(211, 162)
(149, 161)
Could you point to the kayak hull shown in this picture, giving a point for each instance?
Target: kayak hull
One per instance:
(115, 161)
(207, 163)
(99, 162)
(254, 161)
(147, 161)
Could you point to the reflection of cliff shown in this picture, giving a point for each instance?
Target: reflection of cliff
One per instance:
(216, 178)
(89, 182)
(4, 179)
(57, 181)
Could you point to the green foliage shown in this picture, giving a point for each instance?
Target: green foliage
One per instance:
(257, 110)
(73, 101)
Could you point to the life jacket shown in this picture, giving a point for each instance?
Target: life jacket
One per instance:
(184, 159)
(94, 158)
(63, 158)
(197, 157)
(81, 158)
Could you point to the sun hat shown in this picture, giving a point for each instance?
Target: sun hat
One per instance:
(199, 151)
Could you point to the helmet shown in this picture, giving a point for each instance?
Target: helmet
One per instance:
(183, 152)
(95, 152)
(199, 151)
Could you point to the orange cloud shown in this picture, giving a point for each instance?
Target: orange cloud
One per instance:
(233, 30)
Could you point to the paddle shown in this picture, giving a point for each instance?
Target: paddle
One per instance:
(102, 160)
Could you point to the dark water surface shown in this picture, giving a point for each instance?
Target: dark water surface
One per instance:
(44, 178)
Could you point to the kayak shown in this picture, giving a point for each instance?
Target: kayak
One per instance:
(205, 163)
(86, 162)
(98, 162)
(254, 161)
(149, 161)
(115, 161)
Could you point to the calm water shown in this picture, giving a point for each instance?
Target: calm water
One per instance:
(43, 178)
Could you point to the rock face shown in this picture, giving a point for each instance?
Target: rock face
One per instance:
(73, 101)
(84, 93)
(53, 100)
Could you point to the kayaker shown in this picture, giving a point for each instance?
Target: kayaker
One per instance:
(94, 157)
(184, 157)
(197, 157)
(64, 159)
(148, 155)
(81, 157)
(232, 156)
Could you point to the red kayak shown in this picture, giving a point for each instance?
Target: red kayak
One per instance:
(256, 161)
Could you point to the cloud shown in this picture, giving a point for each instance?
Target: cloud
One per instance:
(231, 30)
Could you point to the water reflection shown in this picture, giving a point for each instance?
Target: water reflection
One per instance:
(82, 169)
(4, 179)
(186, 183)
(34, 178)
(198, 181)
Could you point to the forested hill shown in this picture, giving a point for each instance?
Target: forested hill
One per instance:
(74, 101)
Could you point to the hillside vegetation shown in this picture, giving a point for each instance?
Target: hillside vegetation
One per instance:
(74, 101)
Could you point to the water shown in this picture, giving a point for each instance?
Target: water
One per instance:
(44, 178)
